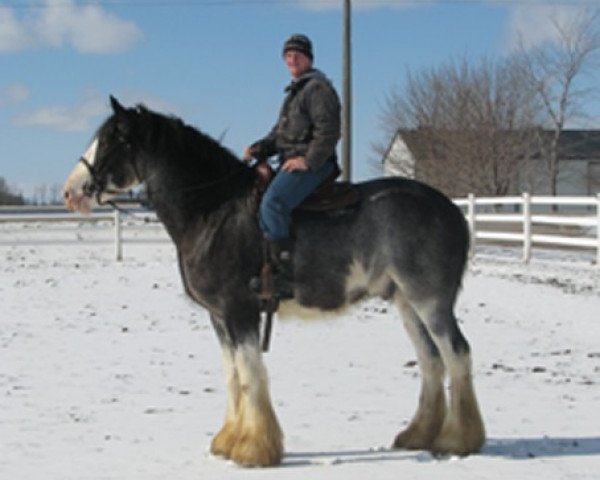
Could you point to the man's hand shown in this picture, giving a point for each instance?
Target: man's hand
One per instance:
(248, 154)
(294, 163)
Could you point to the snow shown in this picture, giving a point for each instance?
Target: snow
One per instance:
(107, 371)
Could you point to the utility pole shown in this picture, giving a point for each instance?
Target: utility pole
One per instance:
(347, 97)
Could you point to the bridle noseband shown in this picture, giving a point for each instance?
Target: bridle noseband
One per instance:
(98, 186)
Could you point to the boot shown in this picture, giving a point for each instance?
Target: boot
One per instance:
(280, 253)
(277, 271)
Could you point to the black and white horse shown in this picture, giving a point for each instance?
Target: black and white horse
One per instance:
(404, 242)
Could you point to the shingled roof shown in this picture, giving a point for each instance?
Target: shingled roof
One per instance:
(578, 144)
(573, 144)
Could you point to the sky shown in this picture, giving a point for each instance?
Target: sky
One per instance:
(217, 65)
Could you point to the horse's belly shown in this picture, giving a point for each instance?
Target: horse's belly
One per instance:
(294, 309)
(331, 295)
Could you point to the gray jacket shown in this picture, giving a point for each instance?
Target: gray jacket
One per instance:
(308, 124)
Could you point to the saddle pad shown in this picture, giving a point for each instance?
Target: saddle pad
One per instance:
(330, 196)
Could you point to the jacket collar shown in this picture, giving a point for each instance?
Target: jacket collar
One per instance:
(297, 83)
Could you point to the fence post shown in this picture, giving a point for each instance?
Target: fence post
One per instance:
(471, 222)
(118, 243)
(526, 227)
(598, 231)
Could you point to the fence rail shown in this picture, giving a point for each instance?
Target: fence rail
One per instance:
(110, 220)
(578, 226)
(523, 220)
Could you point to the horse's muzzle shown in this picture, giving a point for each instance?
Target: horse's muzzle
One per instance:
(74, 191)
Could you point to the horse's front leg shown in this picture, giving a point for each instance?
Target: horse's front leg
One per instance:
(259, 437)
(251, 434)
(224, 441)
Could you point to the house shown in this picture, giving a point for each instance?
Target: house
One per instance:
(579, 162)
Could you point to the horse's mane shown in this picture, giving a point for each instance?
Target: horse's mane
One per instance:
(171, 134)
(211, 172)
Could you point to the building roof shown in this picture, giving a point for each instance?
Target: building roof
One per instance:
(573, 144)
(578, 144)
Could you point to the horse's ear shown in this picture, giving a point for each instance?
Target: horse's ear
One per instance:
(116, 106)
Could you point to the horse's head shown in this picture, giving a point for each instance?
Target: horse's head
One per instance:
(108, 166)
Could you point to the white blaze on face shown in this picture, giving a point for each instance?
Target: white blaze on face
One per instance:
(75, 199)
(90, 153)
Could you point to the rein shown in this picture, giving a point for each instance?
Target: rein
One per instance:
(96, 189)
(214, 183)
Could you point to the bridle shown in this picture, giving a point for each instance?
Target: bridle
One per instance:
(97, 186)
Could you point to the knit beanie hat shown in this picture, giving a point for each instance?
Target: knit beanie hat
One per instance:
(300, 43)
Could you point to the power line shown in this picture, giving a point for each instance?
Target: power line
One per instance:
(149, 3)
(225, 3)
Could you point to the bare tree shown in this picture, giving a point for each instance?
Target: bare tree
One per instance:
(56, 197)
(8, 196)
(468, 126)
(554, 70)
(40, 194)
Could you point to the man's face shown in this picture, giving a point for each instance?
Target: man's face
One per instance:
(297, 63)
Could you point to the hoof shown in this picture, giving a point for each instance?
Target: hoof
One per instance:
(223, 442)
(425, 426)
(459, 441)
(252, 451)
(414, 439)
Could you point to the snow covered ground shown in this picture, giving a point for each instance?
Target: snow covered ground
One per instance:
(107, 371)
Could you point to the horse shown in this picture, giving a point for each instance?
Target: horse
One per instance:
(403, 241)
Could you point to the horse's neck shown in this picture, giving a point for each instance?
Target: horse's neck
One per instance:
(187, 173)
(181, 199)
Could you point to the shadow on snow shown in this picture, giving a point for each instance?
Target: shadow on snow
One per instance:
(514, 448)
(523, 448)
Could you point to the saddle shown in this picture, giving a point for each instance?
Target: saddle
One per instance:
(330, 195)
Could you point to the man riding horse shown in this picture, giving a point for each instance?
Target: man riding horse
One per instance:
(304, 140)
(401, 241)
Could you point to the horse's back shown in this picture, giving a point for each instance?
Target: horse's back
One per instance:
(410, 204)
(406, 189)
(401, 232)
(390, 205)
(417, 227)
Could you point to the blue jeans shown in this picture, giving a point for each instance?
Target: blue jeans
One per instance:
(286, 191)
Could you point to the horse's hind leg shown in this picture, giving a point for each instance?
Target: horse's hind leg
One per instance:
(462, 431)
(259, 437)
(428, 419)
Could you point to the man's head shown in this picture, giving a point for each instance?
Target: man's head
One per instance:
(298, 54)
(299, 43)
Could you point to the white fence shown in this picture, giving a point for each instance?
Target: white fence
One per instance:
(550, 221)
(56, 225)
(527, 221)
